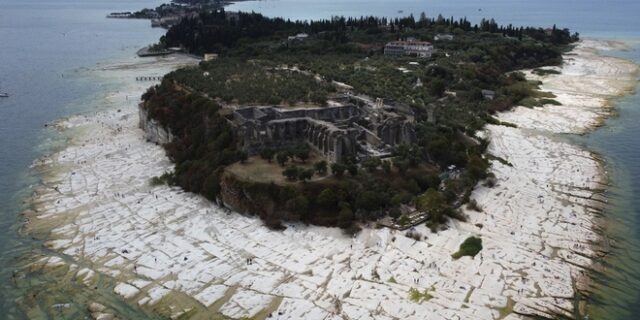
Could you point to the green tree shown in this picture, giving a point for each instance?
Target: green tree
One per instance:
(353, 169)
(371, 164)
(437, 87)
(430, 200)
(282, 158)
(305, 174)
(327, 199)
(477, 167)
(386, 166)
(345, 218)
(394, 212)
(338, 169)
(298, 205)
(470, 247)
(321, 167)
(267, 154)
(291, 172)
(368, 200)
(243, 156)
(302, 152)
(402, 165)
(434, 203)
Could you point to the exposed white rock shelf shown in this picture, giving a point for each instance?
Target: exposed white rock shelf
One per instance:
(167, 248)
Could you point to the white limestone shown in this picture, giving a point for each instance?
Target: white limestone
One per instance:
(160, 242)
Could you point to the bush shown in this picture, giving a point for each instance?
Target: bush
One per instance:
(470, 247)
(345, 218)
(327, 199)
(302, 152)
(267, 154)
(413, 235)
(386, 166)
(338, 169)
(165, 178)
(353, 169)
(371, 164)
(298, 205)
(473, 205)
(416, 296)
(321, 167)
(291, 172)
(282, 158)
(368, 200)
(305, 175)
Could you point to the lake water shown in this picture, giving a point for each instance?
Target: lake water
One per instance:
(48, 47)
(46, 50)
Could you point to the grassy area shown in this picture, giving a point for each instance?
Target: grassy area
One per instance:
(470, 247)
(259, 170)
(255, 81)
(416, 296)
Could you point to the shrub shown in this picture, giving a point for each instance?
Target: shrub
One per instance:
(345, 218)
(321, 167)
(413, 235)
(267, 154)
(165, 178)
(282, 158)
(302, 152)
(305, 175)
(470, 247)
(338, 169)
(386, 166)
(353, 169)
(298, 205)
(368, 200)
(327, 199)
(416, 296)
(473, 205)
(291, 172)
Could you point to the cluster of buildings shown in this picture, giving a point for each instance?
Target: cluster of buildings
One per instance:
(338, 132)
(172, 19)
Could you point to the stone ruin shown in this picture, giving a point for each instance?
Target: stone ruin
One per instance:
(338, 132)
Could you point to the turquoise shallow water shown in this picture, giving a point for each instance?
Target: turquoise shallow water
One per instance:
(49, 46)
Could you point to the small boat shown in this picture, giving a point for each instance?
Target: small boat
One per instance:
(4, 95)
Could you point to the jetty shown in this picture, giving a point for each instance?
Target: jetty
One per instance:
(147, 52)
(149, 78)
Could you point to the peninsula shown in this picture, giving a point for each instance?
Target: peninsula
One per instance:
(431, 142)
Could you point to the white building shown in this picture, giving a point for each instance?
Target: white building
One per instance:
(298, 37)
(422, 49)
(210, 56)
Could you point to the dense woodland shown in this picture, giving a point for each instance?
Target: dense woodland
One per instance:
(204, 144)
(258, 64)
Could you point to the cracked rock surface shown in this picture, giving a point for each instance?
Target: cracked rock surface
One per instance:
(174, 252)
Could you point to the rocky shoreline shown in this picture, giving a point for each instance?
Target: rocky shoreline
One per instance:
(171, 253)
